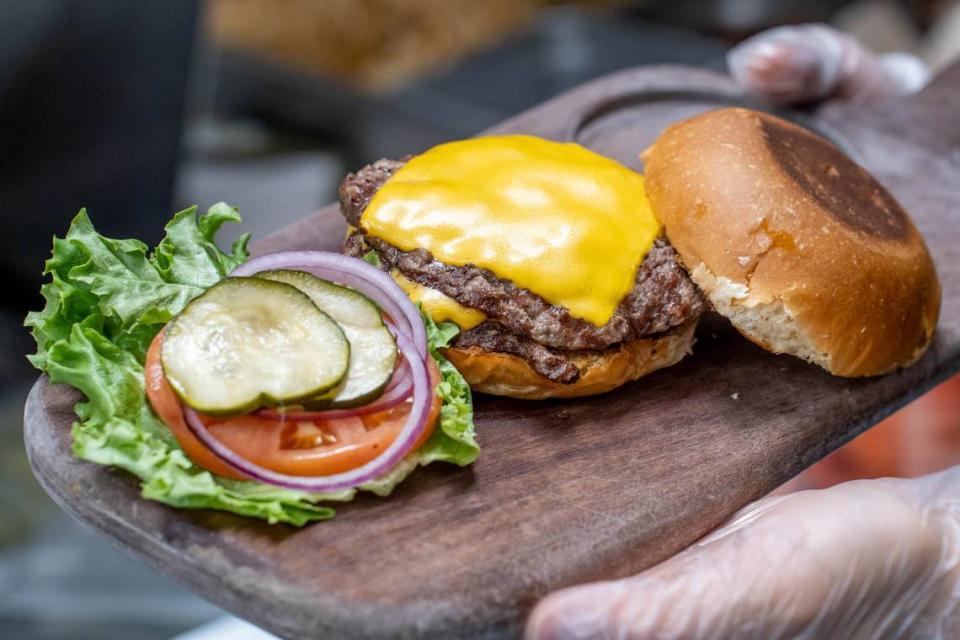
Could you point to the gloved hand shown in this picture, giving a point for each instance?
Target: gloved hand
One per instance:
(864, 559)
(816, 62)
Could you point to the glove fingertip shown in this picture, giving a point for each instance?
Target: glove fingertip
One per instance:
(576, 612)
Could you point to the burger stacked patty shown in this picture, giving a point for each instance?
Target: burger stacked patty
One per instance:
(520, 322)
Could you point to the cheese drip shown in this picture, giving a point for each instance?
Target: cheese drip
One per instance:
(441, 307)
(554, 218)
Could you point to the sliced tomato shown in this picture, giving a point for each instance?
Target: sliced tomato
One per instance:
(310, 448)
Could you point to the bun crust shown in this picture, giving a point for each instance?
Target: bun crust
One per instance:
(795, 243)
(501, 374)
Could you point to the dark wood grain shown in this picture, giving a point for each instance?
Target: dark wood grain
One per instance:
(564, 491)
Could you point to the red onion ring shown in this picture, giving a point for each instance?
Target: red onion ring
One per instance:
(401, 372)
(411, 431)
(397, 391)
(355, 273)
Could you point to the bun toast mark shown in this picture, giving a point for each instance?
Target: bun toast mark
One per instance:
(839, 185)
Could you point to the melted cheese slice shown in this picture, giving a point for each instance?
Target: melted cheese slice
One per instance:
(440, 306)
(554, 218)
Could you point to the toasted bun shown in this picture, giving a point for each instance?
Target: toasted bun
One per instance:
(501, 374)
(795, 243)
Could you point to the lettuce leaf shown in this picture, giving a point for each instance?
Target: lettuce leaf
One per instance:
(106, 301)
(371, 257)
(455, 440)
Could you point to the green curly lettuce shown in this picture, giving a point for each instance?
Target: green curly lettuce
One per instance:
(105, 302)
(455, 440)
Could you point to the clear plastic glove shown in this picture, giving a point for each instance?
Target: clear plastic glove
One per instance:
(816, 62)
(865, 559)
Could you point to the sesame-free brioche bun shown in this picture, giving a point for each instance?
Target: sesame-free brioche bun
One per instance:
(795, 243)
(502, 374)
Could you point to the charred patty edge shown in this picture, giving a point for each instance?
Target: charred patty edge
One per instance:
(556, 365)
(663, 296)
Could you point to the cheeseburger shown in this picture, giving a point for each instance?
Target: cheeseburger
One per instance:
(569, 274)
(546, 255)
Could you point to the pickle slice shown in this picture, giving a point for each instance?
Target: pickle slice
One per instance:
(373, 350)
(249, 342)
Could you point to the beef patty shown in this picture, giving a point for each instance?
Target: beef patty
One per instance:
(520, 322)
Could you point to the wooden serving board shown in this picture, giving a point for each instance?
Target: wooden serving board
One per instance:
(564, 491)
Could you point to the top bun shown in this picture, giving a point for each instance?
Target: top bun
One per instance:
(801, 248)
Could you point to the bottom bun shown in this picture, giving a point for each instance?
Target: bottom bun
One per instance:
(501, 374)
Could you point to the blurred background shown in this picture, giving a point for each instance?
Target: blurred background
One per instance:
(138, 109)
